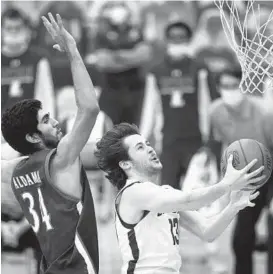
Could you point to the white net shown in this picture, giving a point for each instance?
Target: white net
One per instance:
(250, 34)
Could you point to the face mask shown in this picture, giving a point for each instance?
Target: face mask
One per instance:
(232, 98)
(15, 43)
(119, 15)
(179, 50)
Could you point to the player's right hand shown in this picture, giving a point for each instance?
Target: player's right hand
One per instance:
(238, 179)
(65, 41)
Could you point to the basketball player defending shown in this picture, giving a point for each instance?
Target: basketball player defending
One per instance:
(50, 184)
(148, 216)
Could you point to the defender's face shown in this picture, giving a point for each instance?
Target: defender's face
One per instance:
(143, 158)
(49, 127)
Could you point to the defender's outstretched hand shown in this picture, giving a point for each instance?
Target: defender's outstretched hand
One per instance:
(65, 41)
(243, 178)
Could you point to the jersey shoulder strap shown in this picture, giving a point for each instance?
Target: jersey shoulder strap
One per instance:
(117, 202)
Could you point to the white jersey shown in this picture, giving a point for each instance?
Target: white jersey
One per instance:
(152, 245)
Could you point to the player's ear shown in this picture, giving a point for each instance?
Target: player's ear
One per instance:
(125, 165)
(33, 138)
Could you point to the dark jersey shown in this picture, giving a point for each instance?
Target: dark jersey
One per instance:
(178, 83)
(217, 60)
(18, 76)
(111, 38)
(65, 228)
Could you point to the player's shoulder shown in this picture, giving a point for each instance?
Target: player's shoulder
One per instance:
(137, 187)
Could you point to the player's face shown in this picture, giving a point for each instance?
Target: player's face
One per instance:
(15, 34)
(143, 158)
(178, 43)
(230, 91)
(49, 127)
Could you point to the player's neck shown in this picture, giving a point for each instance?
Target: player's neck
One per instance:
(144, 177)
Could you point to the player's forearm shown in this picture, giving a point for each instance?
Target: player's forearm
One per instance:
(175, 200)
(201, 197)
(84, 90)
(109, 64)
(216, 225)
(137, 56)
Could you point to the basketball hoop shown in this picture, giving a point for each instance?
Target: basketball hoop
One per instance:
(251, 37)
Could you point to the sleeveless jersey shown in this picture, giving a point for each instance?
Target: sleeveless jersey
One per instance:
(178, 83)
(18, 76)
(65, 227)
(152, 245)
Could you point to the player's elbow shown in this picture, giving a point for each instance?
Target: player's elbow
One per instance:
(92, 109)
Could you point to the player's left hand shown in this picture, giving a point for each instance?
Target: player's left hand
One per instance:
(243, 199)
(65, 41)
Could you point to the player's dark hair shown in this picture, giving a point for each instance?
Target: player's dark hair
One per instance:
(15, 14)
(18, 121)
(178, 24)
(111, 150)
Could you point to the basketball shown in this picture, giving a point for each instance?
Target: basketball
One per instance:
(244, 151)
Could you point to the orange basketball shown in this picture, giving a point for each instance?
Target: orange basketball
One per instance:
(244, 151)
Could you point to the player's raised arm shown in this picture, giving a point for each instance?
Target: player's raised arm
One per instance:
(148, 196)
(71, 145)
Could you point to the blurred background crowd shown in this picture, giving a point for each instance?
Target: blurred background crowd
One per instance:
(165, 66)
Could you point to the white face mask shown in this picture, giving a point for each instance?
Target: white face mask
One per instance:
(15, 42)
(232, 98)
(119, 15)
(178, 50)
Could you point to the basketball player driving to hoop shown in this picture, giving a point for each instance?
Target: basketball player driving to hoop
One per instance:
(148, 216)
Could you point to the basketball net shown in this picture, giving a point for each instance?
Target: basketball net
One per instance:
(251, 37)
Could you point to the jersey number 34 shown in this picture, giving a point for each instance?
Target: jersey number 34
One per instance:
(43, 211)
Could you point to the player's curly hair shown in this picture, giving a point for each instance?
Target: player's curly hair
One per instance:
(110, 150)
(18, 121)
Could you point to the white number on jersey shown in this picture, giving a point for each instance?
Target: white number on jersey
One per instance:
(32, 211)
(177, 100)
